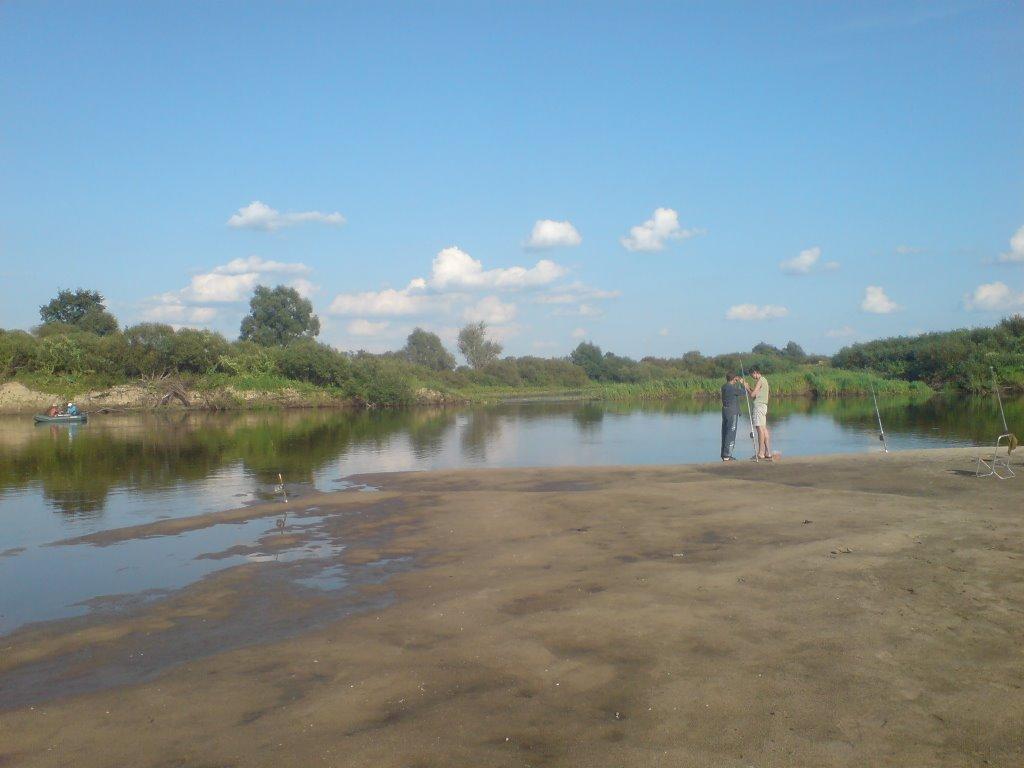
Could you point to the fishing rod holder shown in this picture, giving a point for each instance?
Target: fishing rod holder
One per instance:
(996, 465)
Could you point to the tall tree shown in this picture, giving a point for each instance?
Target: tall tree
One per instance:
(476, 347)
(425, 348)
(83, 309)
(277, 316)
(588, 357)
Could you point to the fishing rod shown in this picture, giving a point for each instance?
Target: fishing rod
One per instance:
(750, 414)
(999, 399)
(881, 430)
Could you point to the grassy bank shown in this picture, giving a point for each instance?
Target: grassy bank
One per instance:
(223, 390)
(804, 383)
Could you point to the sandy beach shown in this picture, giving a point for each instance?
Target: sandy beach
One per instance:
(835, 611)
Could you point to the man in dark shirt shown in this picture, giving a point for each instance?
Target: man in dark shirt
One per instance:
(732, 392)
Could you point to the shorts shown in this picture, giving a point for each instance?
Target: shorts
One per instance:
(760, 414)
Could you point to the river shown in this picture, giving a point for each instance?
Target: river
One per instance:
(61, 482)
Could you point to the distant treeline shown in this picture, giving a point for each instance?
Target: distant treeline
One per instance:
(959, 359)
(80, 344)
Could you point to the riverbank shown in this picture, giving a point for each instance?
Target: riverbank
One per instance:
(35, 393)
(839, 611)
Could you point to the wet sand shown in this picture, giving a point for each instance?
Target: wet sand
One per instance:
(839, 611)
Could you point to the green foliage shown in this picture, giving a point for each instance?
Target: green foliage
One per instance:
(307, 360)
(82, 309)
(197, 351)
(277, 316)
(588, 357)
(247, 358)
(474, 345)
(380, 381)
(18, 352)
(958, 359)
(150, 349)
(98, 321)
(425, 348)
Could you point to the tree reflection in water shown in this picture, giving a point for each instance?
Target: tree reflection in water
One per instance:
(78, 467)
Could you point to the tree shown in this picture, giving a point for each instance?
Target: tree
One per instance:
(277, 316)
(588, 357)
(82, 309)
(476, 347)
(765, 349)
(794, 351)
(425, 348)
(196, 351)
(150, 349)
(1013, 325)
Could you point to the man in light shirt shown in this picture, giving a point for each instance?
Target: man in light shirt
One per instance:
(761, 392)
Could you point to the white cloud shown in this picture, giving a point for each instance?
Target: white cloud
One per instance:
(167, 308)
(579, 333)
(264, 266)
(908, 250)
(755, 312)
(305, 287)
(362, 327)
(806, 261)
(551, 234)
(503, 333)
(257, 215)
(224, 284)
(876, 302)
(235, 280)
(663, 332)
(386, 303)
(843, 332)
(454, 268)
(655, 233)
(544, 344)
(583, 310)
(490, 310)
(211, 286)
(802, 263)
(1016, 253)
(994, 297)
(574, 292)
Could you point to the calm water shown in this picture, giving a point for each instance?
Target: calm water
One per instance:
(118, 470)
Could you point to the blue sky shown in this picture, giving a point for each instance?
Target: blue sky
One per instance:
(807, 171)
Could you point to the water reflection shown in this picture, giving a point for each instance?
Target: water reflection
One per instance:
(75, 470)
(58, 482)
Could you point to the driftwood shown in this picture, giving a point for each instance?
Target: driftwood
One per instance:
(175, 393)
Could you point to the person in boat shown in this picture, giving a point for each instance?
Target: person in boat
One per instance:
(53, 410)
(72, 409)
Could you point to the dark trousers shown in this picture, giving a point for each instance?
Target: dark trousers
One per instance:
(729, 424)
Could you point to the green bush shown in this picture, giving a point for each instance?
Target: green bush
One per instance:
(150, 349)
(316, 363)
(246, 358)
(194, 351)
(19, 351)
(378, 381)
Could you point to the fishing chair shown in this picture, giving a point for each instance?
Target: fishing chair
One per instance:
(995, 465)
(998, 465)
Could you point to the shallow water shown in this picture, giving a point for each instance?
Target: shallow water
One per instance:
(60, 482)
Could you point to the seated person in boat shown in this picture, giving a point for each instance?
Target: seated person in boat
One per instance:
(72, 409)
(53, 410)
